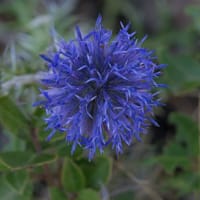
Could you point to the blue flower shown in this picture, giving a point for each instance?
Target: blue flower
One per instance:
(100, 91)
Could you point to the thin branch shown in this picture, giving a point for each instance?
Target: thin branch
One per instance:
(104, 193)
(47, 172)
(120, 190)
(199, 131)
(35, 140)
(143, 184)
(19, 81)
(199, 125)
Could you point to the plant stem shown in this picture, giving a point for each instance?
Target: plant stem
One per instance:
(47, 172)
(143, 184)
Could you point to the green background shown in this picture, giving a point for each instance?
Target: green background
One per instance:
(166, 165)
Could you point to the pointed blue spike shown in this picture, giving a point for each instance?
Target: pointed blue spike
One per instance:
(78, 33)
(99, 21)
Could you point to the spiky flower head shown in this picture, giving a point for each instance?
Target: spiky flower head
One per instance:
(100, 92)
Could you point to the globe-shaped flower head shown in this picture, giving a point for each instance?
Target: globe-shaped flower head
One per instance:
(99, 92)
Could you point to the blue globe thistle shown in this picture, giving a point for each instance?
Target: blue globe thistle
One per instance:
(100, 92)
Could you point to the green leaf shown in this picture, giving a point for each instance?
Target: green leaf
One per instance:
(8, 192)
(42, 159)
(63, 149)
(127, 195)
(184, 183)
(181, 151)
(12, 118)
(97, 172)
(194, 12)
(182, 73)
(15, 143)
(57, 194)
(88, 194)
(20, 160)
(17, 180)
(73, 179)
(174, 149)
(15, 160)
(171, 162)
(186, 133)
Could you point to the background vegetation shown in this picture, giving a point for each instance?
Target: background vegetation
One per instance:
(166, 165)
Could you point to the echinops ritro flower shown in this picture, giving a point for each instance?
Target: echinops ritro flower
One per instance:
(100, 91)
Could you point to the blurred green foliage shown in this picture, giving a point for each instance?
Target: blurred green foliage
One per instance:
(31, 168)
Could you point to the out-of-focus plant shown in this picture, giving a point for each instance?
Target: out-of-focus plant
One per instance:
(165, 167)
